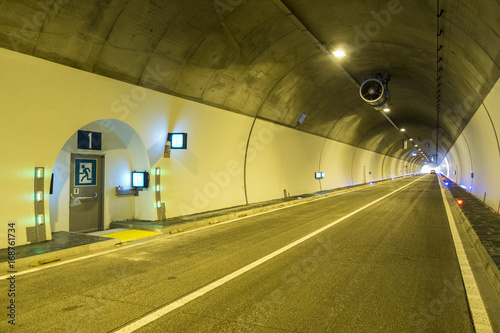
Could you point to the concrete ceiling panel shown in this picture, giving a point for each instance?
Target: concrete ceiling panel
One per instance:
(267, 59)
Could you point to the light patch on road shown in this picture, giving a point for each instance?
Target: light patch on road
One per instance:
(154, 315)
(476, 304)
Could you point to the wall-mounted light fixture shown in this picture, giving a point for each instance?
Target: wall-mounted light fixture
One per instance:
(177, 140)
(319, 175)
(37, 233)
(160, 207)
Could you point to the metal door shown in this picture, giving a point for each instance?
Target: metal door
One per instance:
(85, 200)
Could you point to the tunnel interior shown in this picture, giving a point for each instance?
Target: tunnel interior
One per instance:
(259, 90)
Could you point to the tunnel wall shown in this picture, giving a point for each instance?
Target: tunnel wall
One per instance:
(477, 151)
(43, 105)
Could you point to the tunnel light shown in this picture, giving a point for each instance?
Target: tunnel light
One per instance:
(140, 179)
(411, 139)
(39, 219)
(157, 188)
(158, 171)
(339, 53)
(39, 196)
(178, 140)
(416, 145)
(402, 130)
(460, 202)
(371, 183)
(446, 183)
(463, 186)
(39, 173)
(386, 109)
(319, 175)
(158, 204)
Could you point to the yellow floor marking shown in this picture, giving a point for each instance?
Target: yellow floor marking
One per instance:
(131, 235)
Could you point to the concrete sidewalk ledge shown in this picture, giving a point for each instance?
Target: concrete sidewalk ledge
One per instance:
(487, 262)
(21, 263)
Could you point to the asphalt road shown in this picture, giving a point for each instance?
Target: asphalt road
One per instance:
(390, 267)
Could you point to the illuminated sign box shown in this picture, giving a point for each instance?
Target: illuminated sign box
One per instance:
(319, 175)
(140, 179)
(177, 140)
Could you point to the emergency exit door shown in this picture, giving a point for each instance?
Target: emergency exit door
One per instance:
(86, 188)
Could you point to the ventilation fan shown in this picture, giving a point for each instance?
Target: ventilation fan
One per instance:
(374, 92)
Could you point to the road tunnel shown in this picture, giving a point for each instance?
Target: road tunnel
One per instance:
(232, 105)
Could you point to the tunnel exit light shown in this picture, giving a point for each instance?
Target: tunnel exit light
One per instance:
(140, 179)
(319, 175)
(177, 140)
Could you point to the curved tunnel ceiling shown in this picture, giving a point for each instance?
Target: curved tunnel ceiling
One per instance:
(268, 59)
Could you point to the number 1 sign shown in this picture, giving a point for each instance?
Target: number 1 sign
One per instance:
(89, 140)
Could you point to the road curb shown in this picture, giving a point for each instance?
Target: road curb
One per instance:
(486, 261)
(46, 257)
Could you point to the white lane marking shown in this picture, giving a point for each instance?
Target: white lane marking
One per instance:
(37, 269)
(476, 304)
(200, 292)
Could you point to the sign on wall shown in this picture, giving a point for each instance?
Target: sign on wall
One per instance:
(85, 172)
(89, 140)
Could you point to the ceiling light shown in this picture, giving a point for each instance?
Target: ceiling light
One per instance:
(416, 145)
(402, 130)
(386, 109)
(339, 53)
(411, 139)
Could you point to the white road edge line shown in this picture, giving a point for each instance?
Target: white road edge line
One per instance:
(156, 314)
(60, 263)
(480, 317)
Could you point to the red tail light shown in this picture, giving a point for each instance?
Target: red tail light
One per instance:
(460, 202)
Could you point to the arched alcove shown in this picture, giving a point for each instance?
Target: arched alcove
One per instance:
(122, 151)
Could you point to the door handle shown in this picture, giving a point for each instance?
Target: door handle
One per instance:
(86, 198)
